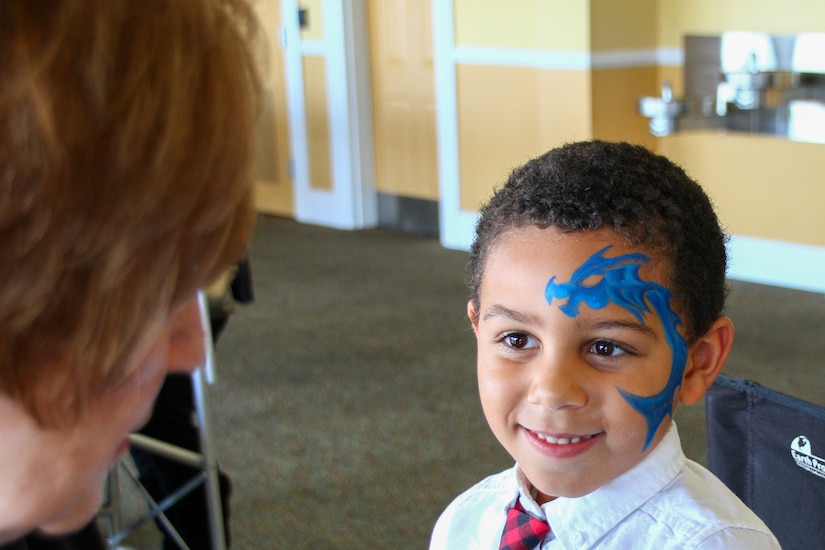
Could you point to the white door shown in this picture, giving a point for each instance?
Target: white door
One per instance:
(342, 195)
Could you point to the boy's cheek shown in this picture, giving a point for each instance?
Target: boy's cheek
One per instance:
(643, 379)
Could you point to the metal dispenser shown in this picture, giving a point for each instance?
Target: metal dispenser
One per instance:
(747, 82)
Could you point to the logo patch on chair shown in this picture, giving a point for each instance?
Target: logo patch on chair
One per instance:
(804, 458)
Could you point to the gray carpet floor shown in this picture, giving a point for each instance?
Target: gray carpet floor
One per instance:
(345, 407)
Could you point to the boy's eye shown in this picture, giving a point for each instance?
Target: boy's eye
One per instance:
(518, 340)
(606, 348)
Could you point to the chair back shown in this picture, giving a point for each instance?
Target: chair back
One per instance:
(769, 449)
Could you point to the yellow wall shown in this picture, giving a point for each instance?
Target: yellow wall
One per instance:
(317, 121)
(762, 186)
(624, 25)
(507, 115)
(706, 17)
(530, 24)
(615, 94)
(561, 25)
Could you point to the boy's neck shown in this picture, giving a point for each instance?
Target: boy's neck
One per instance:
(530, 490)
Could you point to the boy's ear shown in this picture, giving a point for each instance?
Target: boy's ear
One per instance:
(471, 313)
(705, 360)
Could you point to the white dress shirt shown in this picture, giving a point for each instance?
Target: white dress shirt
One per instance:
(666, 501)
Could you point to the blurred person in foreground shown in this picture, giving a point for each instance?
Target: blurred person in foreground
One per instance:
(126, 150)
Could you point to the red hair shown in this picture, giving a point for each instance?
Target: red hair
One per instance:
(126, 153)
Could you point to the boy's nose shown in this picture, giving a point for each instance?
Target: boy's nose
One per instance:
(556, 383)
(187, 339)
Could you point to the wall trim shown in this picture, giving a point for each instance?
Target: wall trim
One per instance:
(777, 263)
(753, 260)
(567, 60)
(519, 57)
(674, 57)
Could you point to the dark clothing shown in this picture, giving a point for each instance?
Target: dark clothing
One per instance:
(87, 538)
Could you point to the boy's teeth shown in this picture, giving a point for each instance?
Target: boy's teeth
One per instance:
(563, 440)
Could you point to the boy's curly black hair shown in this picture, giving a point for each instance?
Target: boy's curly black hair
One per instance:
(644, 197)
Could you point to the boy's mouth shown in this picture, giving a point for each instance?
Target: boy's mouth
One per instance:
(561, 445)
(563, 440)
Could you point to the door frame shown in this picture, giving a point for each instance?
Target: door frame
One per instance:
(456, 226)
(352, 202)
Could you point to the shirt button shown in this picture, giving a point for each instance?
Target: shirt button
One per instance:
(576, 538)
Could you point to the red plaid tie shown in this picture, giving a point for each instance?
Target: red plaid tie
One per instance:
(522, 531)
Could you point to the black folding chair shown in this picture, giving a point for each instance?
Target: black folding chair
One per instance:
(769, 449)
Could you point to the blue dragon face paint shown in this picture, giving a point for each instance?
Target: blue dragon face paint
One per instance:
(619, 283)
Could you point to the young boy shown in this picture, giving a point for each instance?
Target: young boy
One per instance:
(597, 288)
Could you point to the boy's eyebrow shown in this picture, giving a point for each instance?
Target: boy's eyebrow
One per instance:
(618, 324)
(500, 311)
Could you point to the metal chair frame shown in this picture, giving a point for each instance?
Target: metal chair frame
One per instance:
(205, 461)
